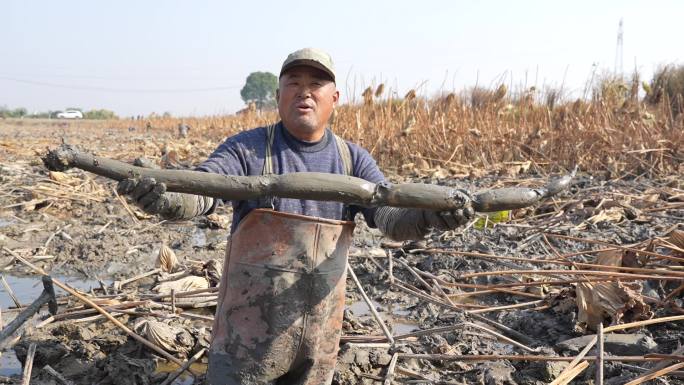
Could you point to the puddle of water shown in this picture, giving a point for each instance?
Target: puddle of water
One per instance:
(400, 324)
(27, 289)
(9, 365)
(185, 378)
(503, 348)
(404, 326)
(465, 299)
(360, 308)
(204, 238)
(399, 312)
(199, 238)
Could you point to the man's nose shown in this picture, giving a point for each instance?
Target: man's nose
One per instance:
(304, 91)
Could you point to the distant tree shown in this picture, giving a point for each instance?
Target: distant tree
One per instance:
(100, 114)
(166, 114)
(15, 113)
(260, 88)
(39, 115)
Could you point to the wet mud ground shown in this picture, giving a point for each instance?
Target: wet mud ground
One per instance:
(74, 227)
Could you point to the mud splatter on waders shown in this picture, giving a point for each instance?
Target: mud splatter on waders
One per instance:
(279, 316)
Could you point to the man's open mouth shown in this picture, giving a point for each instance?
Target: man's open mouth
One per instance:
(304, 107)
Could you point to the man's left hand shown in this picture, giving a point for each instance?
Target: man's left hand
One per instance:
(448, 220)
(451, 219)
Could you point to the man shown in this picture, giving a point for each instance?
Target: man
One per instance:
(281, 300)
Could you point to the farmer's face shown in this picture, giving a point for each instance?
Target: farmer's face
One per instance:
(306, 99)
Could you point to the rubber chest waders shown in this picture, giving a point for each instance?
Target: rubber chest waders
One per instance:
(281, 298)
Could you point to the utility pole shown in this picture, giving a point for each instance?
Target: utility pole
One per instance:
(618, 52)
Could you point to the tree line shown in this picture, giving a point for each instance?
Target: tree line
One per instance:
(21, 112)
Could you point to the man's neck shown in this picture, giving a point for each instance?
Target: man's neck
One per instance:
(299, 145)
(307, 136)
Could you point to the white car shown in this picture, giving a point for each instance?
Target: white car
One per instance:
(70, 114)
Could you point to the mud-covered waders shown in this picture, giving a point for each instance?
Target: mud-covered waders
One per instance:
(281, 299)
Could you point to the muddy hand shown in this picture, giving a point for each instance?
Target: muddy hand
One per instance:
(451, 219)
(151, 196)
(409, 224)
(146, 193)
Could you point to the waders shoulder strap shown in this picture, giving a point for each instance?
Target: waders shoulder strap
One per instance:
(348, 169)
(268, 201)
(268, 159)
(345, 154)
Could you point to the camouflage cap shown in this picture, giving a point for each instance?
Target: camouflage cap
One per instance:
(311, 57)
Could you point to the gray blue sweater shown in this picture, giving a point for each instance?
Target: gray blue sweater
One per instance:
(244, 154)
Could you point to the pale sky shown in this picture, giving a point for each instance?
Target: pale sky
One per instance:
(192, 57)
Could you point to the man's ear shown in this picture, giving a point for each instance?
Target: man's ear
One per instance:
(277, 95)
(336, 97)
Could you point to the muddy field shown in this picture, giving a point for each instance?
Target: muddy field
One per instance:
(481, 297)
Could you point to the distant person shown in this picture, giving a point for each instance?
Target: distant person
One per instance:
(183, 130)
(282, 292)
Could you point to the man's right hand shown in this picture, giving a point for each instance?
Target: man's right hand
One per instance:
(151, 196)
(147, 193)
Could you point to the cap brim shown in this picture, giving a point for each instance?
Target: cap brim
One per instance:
(308, 63)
